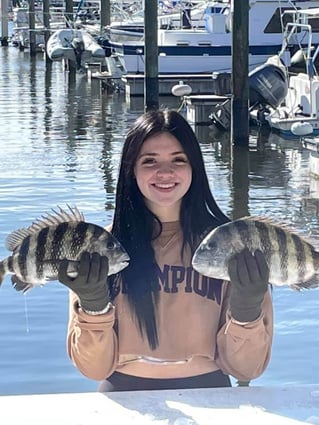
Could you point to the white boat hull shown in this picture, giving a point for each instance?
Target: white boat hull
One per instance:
(187, 64)
(209, 49)
(285, 125)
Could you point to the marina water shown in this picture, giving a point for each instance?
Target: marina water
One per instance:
(60, 144)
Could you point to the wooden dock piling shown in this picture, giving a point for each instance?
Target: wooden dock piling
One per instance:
(240, 90)
(151, 55)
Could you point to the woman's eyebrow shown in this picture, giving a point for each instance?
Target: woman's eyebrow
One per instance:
(156, 153)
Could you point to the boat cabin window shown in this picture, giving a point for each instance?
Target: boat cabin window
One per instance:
(275, 25)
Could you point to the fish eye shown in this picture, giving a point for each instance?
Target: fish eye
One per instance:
(110, 245)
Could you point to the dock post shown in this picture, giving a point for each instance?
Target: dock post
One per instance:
(151, 101)
(4, 23)
(69, 23)
(240, 181)
(240, 89)
(69, 13)
(46, 23)
(105, 14)
(32, 34)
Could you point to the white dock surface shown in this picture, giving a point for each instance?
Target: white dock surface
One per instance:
(250, 405)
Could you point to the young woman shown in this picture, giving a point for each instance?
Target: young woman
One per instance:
(159, 324)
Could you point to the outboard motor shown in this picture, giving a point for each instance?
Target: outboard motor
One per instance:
(78, 47)
(221, 115)
(268, 86)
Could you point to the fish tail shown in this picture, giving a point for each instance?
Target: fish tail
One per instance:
(3, 270)
(315, 256)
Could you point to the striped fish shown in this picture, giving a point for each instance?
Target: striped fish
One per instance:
(291, 259)
(38, 249)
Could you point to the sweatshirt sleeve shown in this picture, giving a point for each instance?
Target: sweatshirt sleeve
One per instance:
(244, 350)
(92, 343)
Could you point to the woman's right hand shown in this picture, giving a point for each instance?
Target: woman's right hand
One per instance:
(90, 285)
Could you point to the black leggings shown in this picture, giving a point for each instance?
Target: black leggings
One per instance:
(121, 382)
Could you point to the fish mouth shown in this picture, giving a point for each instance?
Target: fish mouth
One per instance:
(117, 267)
(123, 264)
(198, 266)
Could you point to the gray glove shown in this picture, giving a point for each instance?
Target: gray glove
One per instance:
(249, 275)
(90, 285)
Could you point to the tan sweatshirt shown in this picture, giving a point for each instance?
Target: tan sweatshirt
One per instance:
(196, 335)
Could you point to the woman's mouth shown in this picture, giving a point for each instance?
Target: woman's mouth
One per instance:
(164, 186)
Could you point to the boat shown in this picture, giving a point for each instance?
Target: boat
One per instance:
(20, 36)
(58, 19)
(194, 48)
(75, 45)
(298, 114)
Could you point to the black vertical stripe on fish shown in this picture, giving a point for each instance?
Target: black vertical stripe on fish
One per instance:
(58, 238)
(40, 250)
(283, 251)
(10, 263)
(243, 231)
(264, 236)
(78, 236)
(97, 232)
(300, 256)
(227, 234)
(23, 254)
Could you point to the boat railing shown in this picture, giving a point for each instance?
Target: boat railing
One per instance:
(291, 30)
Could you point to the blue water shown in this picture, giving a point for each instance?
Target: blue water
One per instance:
(61, 143)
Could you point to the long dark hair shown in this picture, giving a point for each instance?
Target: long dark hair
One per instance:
(133, 223)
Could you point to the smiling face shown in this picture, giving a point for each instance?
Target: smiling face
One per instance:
(163, 175)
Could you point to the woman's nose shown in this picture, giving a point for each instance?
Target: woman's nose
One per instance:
(165, 169)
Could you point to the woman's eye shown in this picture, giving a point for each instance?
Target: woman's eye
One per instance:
(148, 161)
(180, 160)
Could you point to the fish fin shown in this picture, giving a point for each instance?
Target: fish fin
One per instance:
(57, 217)
(309, 284)
(270, 220)
(283, 225)
(20, 285)
(16, 237)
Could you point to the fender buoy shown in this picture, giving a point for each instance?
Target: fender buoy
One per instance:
(301, 128)
(181, 90)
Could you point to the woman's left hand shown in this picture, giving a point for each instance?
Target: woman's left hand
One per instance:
(249, 275)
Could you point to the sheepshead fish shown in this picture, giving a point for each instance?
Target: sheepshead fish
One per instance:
(38, 249)
(291, 259)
